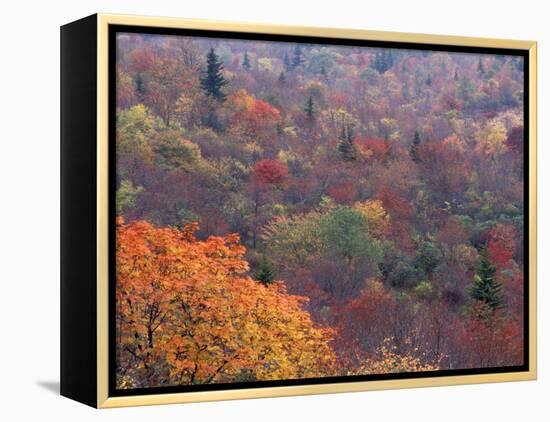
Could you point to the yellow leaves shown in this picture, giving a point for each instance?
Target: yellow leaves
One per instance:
(185, 105)
(134, 128)
(492, 139)
(187, 304)
(266, 64)
(241, 100)
(300, 230)
(375, 213)
(341, 117)
(388, 360)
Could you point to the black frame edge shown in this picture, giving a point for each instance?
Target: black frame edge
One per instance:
(78, 360)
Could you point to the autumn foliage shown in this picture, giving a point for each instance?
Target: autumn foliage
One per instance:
(187, 313)
(270, 172)
(291, 211)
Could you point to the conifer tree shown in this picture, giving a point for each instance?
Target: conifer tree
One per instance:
(345, 147)
(324, 73)
(310, 108)
(282, 78)
(388, 59)
(246, 61)
(297, 59)
(414, 147)
(213, 81)
(429, 79)
(380, 61)
(485, 287)
(266, 272)
(383, 60)
(377, 62)
(140, 86)
(286, 61)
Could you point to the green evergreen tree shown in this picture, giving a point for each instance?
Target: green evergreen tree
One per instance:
(388, 59)
(485, 287)
(246, 61)
(324, 73)
(286, 61)
(383, 60)
(345, 147)
(282, 78)
(414, 147)
(429, 79)
(266, 272)
(297, 58)
(310, 108)
(140, 86)
(377, 62)
(213, 81)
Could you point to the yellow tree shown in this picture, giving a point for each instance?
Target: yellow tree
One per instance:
(187, 313)
(492, 140)
(388, 361)
(375, 213)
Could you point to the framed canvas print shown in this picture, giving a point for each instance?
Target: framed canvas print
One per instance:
(255, 211)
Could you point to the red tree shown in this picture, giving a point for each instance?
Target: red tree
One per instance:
(343, 192)
(502, 244)
(270, 172)
(373, 148)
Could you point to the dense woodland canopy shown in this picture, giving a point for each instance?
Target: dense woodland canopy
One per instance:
(297, 210)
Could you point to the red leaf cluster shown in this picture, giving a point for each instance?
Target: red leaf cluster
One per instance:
(270, 172)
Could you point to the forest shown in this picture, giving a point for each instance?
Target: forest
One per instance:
(293, 210)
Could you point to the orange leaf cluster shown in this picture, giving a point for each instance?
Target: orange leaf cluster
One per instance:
(187, 313)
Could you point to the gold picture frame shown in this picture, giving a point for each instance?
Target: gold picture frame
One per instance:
(99, 218)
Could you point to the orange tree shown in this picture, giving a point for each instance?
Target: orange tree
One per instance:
(187, 313)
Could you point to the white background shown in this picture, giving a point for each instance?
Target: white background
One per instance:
(29, 211)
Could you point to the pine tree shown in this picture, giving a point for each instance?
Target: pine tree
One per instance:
(380, 61)
(213, 81)
(286, 61)
(282, 78)
(310, 108)
(484, 287)
(324, 73)
(377, 62)
(383, 60)
(266, 272)
(246, 61)
(345, 147)
(429, 79)
(297, 59)
(414, 147)
(388, 62)
(388, 146)
(140, 86)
